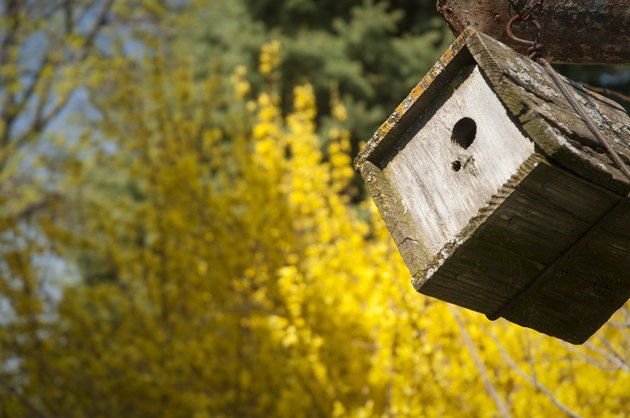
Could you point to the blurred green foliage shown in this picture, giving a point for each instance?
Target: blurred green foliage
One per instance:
(371, 52)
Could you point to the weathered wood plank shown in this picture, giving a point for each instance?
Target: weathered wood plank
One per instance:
(604, 261)
(421, 97)
(567, 306)
(537, 222)
(546, 117)
(586, 289)
(404, 232)
(445, 193)
(569, 192)
(618, 222)
(605, 258)
(575, 31)
(532, 227)
(577, 321)
(504, 272)
(548, 211)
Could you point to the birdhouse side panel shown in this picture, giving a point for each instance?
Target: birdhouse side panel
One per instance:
(583, 289)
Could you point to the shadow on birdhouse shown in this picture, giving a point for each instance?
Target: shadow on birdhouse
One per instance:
(498, 196)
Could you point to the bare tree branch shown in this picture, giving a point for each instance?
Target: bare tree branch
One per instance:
(490, 388)
(81, 13)
(611, 354)
(537, 384)
(41, 119)
(608, 92)
(590, 359)
(53, 7)
(68, 8)
(23, 399)
(96, 28)
(10, 38)
(12, 10)
(530, 357)
(35, 207)
(626, 325)
(37, 75)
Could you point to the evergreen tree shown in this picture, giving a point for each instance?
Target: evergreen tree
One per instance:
(372, 52)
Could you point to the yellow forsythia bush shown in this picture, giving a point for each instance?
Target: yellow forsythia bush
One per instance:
(240, 281)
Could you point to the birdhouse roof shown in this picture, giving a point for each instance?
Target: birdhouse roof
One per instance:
(533, 102)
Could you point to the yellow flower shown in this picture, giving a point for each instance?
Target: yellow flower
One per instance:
(269, 57)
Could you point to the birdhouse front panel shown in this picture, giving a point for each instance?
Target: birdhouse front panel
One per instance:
(495, 205)
(469, 148)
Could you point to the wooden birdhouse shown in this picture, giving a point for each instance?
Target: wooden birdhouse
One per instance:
(499, 198)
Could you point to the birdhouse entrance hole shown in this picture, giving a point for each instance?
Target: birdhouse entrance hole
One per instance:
(464, 132)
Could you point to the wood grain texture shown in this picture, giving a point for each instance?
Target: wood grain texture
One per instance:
(503, 257)
(575, 31)
(417, 101)
(547, 118)
(398, 220)
(446, 192)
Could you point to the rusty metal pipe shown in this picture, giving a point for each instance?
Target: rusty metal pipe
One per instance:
(573, 31)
